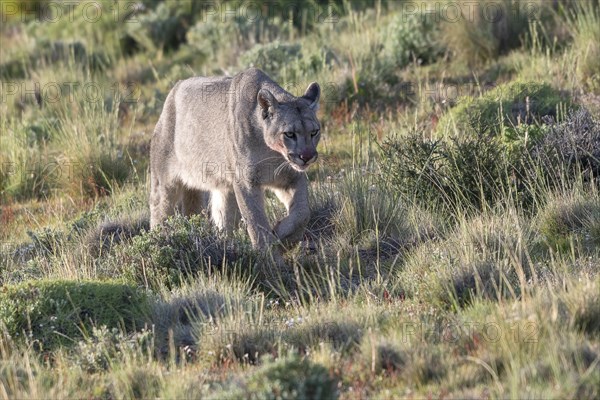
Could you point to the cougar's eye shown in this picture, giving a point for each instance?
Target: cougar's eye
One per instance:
(315, 133)
(290, 135)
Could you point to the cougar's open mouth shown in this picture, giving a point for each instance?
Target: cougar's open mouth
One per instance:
(300, 165)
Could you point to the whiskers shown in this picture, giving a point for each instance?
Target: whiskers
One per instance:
(268, 159)
(281, 167)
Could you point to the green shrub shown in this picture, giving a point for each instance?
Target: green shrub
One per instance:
(46, 53)
(55, 51)
(55, 312)
(277, 59)
(484, 148)
(209, 34)
(383, 355)
(282, 61)
(101, 239)
(291, 377)
(410, 37)
(163, 28)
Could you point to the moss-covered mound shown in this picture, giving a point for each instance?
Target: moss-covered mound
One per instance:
(503, 108)
(55, 312)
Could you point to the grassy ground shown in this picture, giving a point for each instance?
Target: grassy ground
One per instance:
(453, 249)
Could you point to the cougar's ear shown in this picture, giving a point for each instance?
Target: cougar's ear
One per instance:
(267, 102)
(312, 94)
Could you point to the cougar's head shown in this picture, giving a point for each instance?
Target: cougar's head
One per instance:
(292, 128)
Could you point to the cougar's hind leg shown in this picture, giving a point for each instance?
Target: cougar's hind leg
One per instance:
(224, 210)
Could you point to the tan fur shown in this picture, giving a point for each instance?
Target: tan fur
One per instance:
(220, 142)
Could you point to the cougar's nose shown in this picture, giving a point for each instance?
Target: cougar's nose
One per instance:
(306, 156)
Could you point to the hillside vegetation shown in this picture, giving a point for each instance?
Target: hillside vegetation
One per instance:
(454, 245)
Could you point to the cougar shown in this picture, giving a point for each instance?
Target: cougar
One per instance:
(220, 142)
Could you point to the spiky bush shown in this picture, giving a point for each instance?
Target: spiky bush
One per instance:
(456, 173)
(569, 148)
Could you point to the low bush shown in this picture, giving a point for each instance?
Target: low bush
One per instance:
(101, 239)
(50, 313)
(239, 338)
(104, 172)
(291, 377)
(104, 347)
(181, 246)
(209, 35)
(383, 355)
